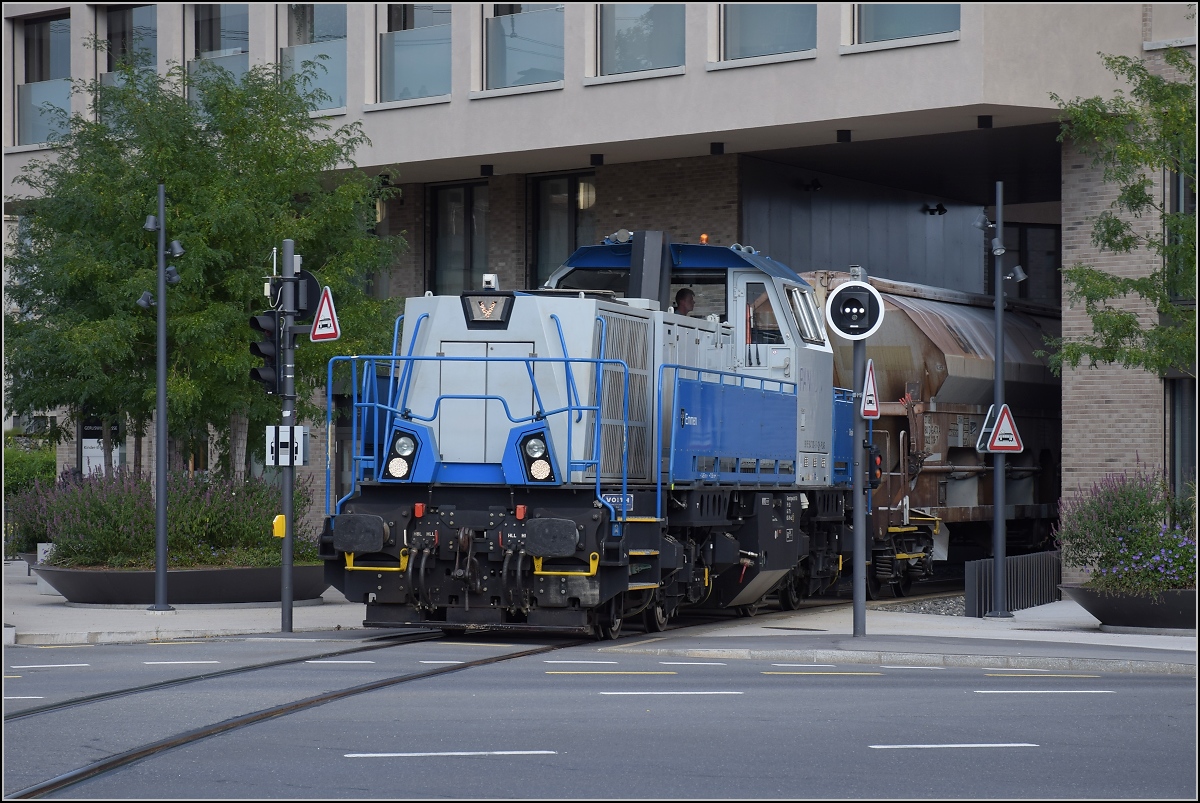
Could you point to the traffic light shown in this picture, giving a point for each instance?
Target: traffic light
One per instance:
(854, 310)
(266, 349)
(874, 467)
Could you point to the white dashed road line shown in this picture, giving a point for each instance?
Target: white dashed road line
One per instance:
(457, 753)
(1043, 691)
(939, 746)
(45, 666)
(151, 663)
(642, 693)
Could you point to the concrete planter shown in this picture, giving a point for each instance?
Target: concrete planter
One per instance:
(1174, 609)
(99, 586)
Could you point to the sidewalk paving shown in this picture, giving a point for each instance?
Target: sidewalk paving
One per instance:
(1060, 635)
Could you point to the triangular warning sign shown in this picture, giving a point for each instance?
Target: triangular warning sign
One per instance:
(1005, 437)
(870, 395)
(325, 323)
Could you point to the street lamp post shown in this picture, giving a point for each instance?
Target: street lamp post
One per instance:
(160, 413)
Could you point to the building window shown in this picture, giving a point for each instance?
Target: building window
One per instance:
(764, 29)
(315, 30)
(880, 22)
(524, 45)
(414, 55)
(566, 219)
(1181, 396)
(640, 36)
(460, 238)
(44, 100)
(132, 31)
(1037, 248)
(1182, 202)
(222, 37)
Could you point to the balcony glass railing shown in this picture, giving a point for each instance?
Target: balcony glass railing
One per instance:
(414, 63)
(525, 48)
(34, 123)
(330, 76)
(236, 62)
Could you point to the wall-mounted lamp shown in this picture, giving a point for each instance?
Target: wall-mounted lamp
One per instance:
(998, 248)
(940, 209)
(173, 276)
(597, 159)
(982, 223)
(1016, 274)
(486, 170)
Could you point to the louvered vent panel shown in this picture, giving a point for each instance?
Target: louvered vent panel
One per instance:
(625, 339)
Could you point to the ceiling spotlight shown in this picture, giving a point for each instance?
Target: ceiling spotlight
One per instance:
(486, 170)
(998, 248)
(981, 222)
(172, 275)
(146, 301)
(151, 223)
(176, 249)
(1016, 274)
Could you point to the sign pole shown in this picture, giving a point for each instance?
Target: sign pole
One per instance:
(858, 490)
(999, 530)
(288, 391)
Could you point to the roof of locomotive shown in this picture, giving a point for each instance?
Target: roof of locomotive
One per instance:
(684, 256)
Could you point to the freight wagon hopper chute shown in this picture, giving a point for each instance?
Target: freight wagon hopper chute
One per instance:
(934, 359)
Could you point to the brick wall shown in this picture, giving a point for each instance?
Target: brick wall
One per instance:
(684, 197)
(1112, 416)
(406, 215)
(506, 230)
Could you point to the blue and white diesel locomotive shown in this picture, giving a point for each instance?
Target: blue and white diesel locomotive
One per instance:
(574, 457)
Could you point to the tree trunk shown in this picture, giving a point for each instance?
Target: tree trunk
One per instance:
(137, 447)
(239, 426)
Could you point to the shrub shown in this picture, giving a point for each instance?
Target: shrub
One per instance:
(1131, 534)
(110, 521)
(23, 466)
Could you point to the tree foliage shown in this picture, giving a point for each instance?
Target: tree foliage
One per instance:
(245, 166)
(1140, 140)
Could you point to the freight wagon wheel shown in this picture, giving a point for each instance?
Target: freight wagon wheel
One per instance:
(872, 585)
(903, 586)
(656, 618)
(789, 594)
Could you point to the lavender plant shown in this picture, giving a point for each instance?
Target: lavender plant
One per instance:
(110, 521)
(1130, 533)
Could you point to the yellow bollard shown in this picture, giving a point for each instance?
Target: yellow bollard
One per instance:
(279, 526)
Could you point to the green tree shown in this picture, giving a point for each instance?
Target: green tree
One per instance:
(1139, 139)
(245, 166)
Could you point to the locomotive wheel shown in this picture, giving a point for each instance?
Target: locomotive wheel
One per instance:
(655, 618)
(608, 626)
(789, 594)
(903, 586)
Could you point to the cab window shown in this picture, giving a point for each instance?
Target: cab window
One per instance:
(762, 325)
(808, 317)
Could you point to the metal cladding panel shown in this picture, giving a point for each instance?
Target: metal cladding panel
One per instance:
(731, 422)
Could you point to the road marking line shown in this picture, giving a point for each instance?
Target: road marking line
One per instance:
(61, 646)
(822, 673)
(604, 672)
(1040, 676)
(10, 677)
(1044, 691)
(337, 662)
(813, 666)
(470, 644)
(637, 693)
(173, 643)
(580, 662)
(458, 753)
(643, 641)
(441, 662)
(148, 663)
(24, 698)
(937, 746)
(692, 663)
(45, 666)
(912, 667)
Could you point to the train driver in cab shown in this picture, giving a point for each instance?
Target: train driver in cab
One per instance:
(685, 301)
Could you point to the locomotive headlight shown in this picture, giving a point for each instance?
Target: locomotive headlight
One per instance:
(535, 448)
(398, 467)
(540, 469)
(404, 446)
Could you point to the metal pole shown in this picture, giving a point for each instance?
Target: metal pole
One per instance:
(859, 481)
(160, 419)
(287, 366)
(999, 533)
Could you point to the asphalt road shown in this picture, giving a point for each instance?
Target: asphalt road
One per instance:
(582, 723)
